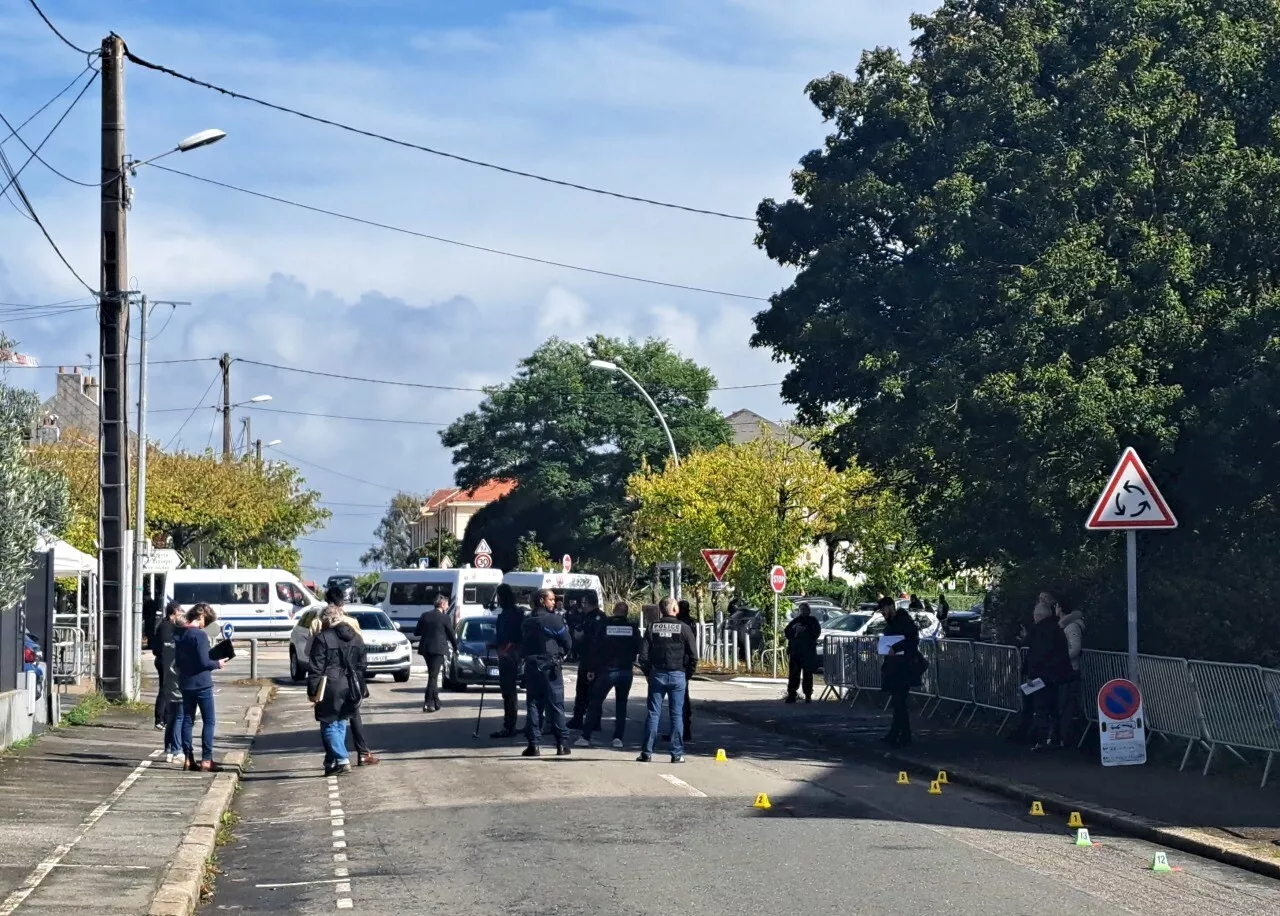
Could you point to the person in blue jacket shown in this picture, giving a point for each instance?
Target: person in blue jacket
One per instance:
(195, 680)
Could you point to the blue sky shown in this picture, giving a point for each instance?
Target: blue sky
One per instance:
(695, 101)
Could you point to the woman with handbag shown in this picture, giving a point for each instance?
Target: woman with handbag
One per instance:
(903, 668)
(336, 684)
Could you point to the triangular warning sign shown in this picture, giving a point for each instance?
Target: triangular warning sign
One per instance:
(718, 561)
(483, 547)
(1130, 500)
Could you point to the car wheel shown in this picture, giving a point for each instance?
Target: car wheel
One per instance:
(402, 676)
(295, 667)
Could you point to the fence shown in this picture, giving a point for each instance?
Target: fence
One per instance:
(70, 659)
(1210, 705)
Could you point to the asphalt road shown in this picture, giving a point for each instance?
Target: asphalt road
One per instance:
(448, 824)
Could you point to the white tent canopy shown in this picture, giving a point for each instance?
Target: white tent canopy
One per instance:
(67, 560)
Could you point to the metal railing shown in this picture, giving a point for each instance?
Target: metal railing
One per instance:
(1209, 705)
(70, 659)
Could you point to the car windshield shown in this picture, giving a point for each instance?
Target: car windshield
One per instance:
(485, 631)
(372, 620)
(848, 622)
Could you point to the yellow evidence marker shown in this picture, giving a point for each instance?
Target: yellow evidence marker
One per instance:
(1075, 822)
(1037, 809)
(902, 778)
(762, 802)
(935, 788)
(942, 778)
(721, 757)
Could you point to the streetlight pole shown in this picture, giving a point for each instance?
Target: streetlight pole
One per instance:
(671, 443)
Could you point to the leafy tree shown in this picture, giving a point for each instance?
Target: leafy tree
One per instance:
(767, 499)
(242, 512)
(440, 550)
(532, 555)
(393, 545)
(571, 435)
(32, 498)
(1046, 235)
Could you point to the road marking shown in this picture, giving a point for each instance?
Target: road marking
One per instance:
(339, 844)
(336, 812)
(343, 887)
(301, 883)
(344, 903)
(341, 872)
(681, 784)
(339, 833)
(337, 822)
(157, 753)
(14, 900)
(339, 857)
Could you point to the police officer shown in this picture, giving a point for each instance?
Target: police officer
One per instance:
(685, 615)
(612, 656)
(668, 657)
(802, 635)
(585, 633)
(507, 642)
(544, 642)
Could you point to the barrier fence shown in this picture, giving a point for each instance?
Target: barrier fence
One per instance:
(1209, 705)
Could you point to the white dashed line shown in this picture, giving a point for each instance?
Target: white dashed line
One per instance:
(339, 844)
(339, 857)
(341, 872)
(335, 812)
(339, 833)
(344, 903)
(343, 887)
(14, 900)
(342, 884)
(680, 783)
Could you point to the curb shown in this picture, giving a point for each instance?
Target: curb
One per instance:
(179, 892)
(1186, 839)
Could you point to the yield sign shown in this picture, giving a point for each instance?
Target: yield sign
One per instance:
(483, 547)
(1130, 500)
(718, 561)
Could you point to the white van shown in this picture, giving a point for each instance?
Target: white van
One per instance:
(404, 594)
(572, 587)
(257, 602)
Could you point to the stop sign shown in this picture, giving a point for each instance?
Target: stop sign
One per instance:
(778, 579)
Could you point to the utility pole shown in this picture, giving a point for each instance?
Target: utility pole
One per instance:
(257, 449)
(116, 677)
(248, 441)
(225, 363)
(140, 515)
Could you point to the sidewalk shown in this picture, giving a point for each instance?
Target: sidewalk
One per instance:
(1225, 816)
(92, 816)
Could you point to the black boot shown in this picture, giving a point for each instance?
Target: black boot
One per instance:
(531, 751)
(563, 750)
(505, 732)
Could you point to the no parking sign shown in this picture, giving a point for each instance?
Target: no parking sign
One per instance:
(1122, 727)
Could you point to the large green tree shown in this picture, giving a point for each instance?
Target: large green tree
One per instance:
(571, 435)
(392, 546)
(1047, 234)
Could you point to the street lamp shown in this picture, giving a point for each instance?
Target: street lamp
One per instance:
(605, 366)
(258, 447)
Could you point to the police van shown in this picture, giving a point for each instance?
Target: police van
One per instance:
(257, 602)
(572, 588)
(404, 594)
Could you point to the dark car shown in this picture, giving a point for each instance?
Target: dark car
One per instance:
(477, 657)
(347, 584)
(965, 624)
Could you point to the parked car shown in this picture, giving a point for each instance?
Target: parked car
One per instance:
(746, 622)
(476, 660)
(33, 660)
(348, 586)
(930, 627)
(965, 624)
(387, 650)
(846, 625)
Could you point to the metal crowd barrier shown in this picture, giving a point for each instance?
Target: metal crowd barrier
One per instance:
(1205, 704)
(69, 661)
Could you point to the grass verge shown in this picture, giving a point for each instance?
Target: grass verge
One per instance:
(226, 828)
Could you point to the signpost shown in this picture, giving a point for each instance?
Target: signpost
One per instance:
(777, 582)
(484, 556)
(228, 630)
(1129, 502)
(567, 563)
(718, 561)
(1122, 729)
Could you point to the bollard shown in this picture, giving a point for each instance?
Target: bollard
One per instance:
(734, 651)
(747, 642)
(253, 659)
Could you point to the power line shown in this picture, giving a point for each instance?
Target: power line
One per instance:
(57, 313)
(356, 505)
(447, 241)
(332, 416)
(318, 467)
(55, 31)
(35, 154)
(327, 541)
(354, 378)
(14, 178)
(427, 149)
(150, 363)
(216, 376)
(35, 114)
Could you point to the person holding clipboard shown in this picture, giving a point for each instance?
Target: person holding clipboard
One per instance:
(903, 667)
(336, 684)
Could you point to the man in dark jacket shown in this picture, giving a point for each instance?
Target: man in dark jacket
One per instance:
(802, 635)
(435, 636)
(584, 635)
(668, 658)
(1048, 660)
(684, 614)
(507, 642)
(544, 643)
(901, 670)
(337, 656)
(169, 694)
(613, 655)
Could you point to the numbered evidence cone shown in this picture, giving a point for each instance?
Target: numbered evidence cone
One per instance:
(902, 778)
(942, 778)
(1160, 862)
(1037, 809)
(1075, 822)
(762, 802)
(935, 788)
(1082, 837)
(721, 757)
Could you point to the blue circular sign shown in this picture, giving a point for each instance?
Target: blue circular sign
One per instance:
(1119, 699)
(228, 630)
